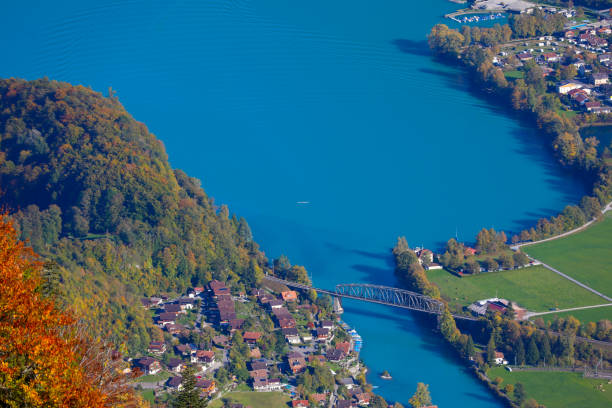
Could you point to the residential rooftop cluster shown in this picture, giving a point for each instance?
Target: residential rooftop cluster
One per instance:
(577, 59)
(279, 336)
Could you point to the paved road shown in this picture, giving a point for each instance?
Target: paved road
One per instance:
(565, 234)
(575, 281)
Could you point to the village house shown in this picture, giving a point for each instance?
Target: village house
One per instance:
(327, 324)
(172, 308)
(318, 357)
(258, 365)
(287, 323)
(580, 98)
(225, 310)
(166, 318)
(469, 251)
(344, 404)
(275, 304)
(424, 255)
(289, 296)
(291, 335)
(186, 303)
(263, 385)
(335, 355)
(524, 56)
(481, 307)
(322, 334)
(348, 382)
(205, 357)
(207, 387)
(362, 398)
(306, 338)
(217, 288)
(566, 86)
(251, 337)
(296, 362)
(300, 404)
(344, 346)
(601, 109)
(281, 313)
(589, 106)
(550, 57)
(148, 365)
(198, 290)
(319, 399)
(260, 373)
(174, 328)
(149, 303)
(599, 78)
(175, 383)
(175, 365)
(157, 347)
(266, 298)
(499, 358)
(184, 350)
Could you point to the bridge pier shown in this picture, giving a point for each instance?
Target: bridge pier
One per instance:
(338, 305)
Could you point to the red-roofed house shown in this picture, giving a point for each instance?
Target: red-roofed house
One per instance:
(469, 251)
(289, 296)
(205, 356)
(499, 358)
(299, 403)
(344, 346)
(251, 337)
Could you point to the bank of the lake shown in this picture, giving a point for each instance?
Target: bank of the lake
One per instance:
(337, 104)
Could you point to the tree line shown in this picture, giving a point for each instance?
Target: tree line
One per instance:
(91, 189)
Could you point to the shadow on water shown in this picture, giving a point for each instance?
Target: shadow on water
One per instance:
(375, 275)
(401, 320)
(412, 47)
(532, 143)
(477, 396)
(374, 255)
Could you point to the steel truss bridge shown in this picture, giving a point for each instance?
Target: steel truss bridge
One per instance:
(384, 295)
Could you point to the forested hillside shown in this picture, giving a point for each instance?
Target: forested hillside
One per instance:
(92, 191)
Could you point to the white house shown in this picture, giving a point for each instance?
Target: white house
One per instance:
(499, 358)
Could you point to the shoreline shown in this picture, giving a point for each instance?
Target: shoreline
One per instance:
(500, 94)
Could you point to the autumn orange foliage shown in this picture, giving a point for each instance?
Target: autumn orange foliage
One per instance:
(42, 349)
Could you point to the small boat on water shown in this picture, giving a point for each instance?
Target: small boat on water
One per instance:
(385, 375)
(302, 202)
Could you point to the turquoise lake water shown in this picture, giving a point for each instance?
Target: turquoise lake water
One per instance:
(337, 103)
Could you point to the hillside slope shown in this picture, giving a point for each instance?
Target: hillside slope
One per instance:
(92, 190)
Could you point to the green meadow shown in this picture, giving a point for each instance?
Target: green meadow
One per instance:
(535, 288)
(586, 256)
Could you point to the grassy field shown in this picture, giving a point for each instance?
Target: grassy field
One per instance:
(255, 399)
(515, 74)
(559, 390)
(148, 395)
(535, 288)
(585, 256)
(586, 315)
(163, 376)
(568, 114)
